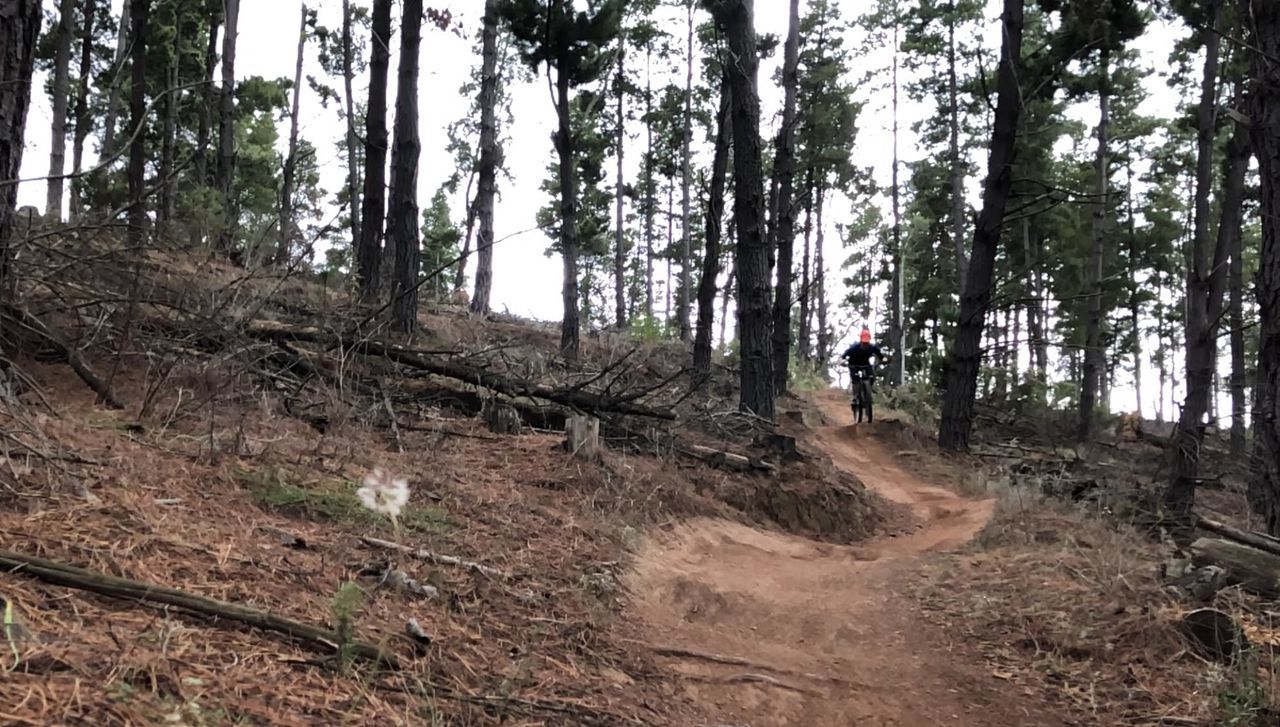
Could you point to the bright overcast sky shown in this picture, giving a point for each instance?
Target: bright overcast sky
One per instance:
(526, 282)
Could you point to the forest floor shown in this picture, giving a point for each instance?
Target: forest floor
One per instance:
(868, 580)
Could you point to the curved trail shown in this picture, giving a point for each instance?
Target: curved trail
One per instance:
(767, 629)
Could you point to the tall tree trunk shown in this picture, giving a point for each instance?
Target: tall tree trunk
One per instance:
(19, 31)
(1206, 282)
(649, 191)
(488, 167)
(114, 93)
(84, 122)
(966, 356)
(287, 223)
(1095, 357)
(1135, 308)
(569, 326)
(1235, 286)
(686, 181)
(227, 126)
(820, 281)
(897, 329)
(730, 285)
(784, 221)
(957, 167)
(804, 346)
(61, 96)
(137, 107)
(353, 138)
(209, 96)
(373, 204)
(711, 255)
(754, 295)
(168, 141)
(402, 208)
(1264, 475)
(619, 236)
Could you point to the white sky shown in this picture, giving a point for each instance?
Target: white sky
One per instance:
(526, 282)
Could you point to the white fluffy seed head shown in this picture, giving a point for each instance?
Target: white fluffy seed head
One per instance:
(384, 494)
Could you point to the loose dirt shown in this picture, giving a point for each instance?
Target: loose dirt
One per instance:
(764, 629)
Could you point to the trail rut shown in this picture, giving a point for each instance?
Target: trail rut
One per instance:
(765, 629)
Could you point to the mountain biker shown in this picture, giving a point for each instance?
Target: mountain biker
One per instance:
(858, 356)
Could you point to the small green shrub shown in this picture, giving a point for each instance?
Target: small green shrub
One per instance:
(1242, 696)
(345, 609)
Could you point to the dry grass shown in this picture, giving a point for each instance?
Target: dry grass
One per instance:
(1067, 604)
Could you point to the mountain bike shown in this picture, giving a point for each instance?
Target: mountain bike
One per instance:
(861, 384)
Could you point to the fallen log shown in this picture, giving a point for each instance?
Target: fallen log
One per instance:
(430, 557)
(1254, 570)
(79, 578)
(66, 354)
(1244, 537)
(572, 397)
(724, 458)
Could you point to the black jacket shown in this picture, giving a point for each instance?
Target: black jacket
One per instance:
(860, 354)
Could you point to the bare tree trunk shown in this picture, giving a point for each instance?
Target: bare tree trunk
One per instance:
(488, 171)
(1135, 319)
(1095, 357)
(137, 107)
(168, 141)
(285, 227)
(804, 346)
(1239, 410)
(402, 209)
(19, 31)
(353, 138)
(957, 168)
(619, 238)
(89, 10)
(650, 200)
(369, 256)
(1264, 476)
(227, 126)
(730, 285)
(686, 181)
(784, 221)
(569, 326)
(897, 329)
(114, 95)
(1206, 283)
(711, 255)
(820, 280)
(966, 355)
(61, 96)
(754, 294)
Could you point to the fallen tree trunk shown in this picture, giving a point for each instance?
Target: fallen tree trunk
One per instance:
(571, 397)
(124, 588)
(65, 353)
(723, 458)
(1244, 537)
(1254, 570)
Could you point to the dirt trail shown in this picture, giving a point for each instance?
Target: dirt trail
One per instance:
(768, 629)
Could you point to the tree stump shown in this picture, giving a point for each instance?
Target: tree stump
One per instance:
(1212, 634)
(500, 417)
(582, 437)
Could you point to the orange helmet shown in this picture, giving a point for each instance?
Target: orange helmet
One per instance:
(866, 335)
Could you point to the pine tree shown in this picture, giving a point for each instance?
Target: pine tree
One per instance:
(373, 201)
(19, 31)
(965, 354)
(402, 207)
(571, 43)
(1263, 26)
(64, 32)
(736, 18)
(783, 214)
(226, 124)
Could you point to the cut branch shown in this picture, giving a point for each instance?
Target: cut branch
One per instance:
(437, 558)
(123, 588)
